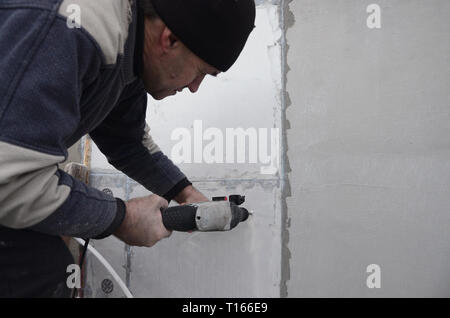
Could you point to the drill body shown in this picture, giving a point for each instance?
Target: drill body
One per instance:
(217, 215)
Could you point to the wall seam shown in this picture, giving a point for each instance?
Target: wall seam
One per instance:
(285, 169)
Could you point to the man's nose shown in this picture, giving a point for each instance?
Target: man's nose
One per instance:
(194, 86)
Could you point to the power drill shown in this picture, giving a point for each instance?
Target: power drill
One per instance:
(221, 214)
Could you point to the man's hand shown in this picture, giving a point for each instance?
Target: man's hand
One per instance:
(190, 195)
(143, 225)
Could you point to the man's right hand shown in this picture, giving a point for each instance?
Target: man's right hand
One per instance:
(142, 225)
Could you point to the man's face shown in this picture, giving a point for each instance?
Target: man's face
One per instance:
(169, 66)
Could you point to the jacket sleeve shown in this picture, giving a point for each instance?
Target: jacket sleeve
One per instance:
(125, 140)
(43, 68)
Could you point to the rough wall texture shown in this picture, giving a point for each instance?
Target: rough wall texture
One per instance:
(369, 148)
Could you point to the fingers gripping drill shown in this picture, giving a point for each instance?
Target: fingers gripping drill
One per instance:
(219, 215)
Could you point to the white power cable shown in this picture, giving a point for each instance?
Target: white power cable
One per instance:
(108, 268)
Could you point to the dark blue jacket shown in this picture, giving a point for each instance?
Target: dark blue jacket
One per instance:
(58, 83)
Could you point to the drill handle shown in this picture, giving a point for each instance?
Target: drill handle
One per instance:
(179, 218)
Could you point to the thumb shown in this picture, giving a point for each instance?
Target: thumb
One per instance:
(162, 203)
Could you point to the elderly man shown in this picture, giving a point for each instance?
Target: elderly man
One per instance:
(60, 81)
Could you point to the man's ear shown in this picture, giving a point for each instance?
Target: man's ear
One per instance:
(168, 40)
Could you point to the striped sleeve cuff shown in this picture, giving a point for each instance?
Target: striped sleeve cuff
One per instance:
(118, 219)
(172, 193)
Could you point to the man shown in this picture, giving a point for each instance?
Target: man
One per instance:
(59, 82)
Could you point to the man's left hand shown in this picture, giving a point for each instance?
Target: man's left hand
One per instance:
(190, 195)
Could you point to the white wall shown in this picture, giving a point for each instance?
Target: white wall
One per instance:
(369, 148)
(367, 157)
(246, 261)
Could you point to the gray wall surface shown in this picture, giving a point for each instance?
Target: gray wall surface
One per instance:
(369, 148)
(364, 170)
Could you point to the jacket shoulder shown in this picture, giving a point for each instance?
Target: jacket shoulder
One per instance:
(107, 22)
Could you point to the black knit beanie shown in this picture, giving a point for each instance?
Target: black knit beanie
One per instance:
(214, 30)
